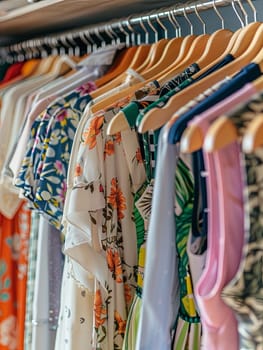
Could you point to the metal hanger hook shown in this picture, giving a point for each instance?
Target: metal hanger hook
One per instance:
(253, 9)
(219, 15)
(188, 21)
(145, 30)
(152, 27)
(127, 35)
(162, 26)
(96, 31)
(200, 19)
(175, 23)
(237, 14)
(129, 26)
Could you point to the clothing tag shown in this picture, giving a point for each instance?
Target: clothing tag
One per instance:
(132, 73)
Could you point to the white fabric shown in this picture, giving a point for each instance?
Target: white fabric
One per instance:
(42, 337)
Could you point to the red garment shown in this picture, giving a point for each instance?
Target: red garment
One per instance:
(13, 71)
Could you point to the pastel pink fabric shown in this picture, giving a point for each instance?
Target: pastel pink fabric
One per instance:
(225, 231)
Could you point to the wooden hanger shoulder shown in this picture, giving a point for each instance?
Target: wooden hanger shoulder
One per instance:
(118, 123)
(221, 57)
(104, 103)
(253, 137)
(194, 53)
(184, 49)
(221, 133)
(170, 53)
(216, 45)
(122, 64)
(192, 139)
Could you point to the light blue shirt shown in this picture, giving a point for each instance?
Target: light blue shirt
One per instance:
(160, 300)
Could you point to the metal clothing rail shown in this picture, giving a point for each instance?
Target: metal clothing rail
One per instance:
(116, 31)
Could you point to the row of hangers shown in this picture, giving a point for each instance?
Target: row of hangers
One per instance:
(170, 57)
(164, 59)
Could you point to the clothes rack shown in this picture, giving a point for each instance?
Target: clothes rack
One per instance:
(124, 30)
(130, 209)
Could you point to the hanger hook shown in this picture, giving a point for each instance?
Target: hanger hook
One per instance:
(96, 31)
(162, 26)
(129, 26)
(94, 45)
(85, 41)
(219, 14)
(244, 12)
(152, 27)
(138, 38)
(145, 30)
(127, 35)
(74, 49)
(200, 19)
(237, 14)
(175, 23)
(110, 35)
(253, 9)
(188, 21)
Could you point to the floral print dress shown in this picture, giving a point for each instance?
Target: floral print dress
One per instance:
(108, 171)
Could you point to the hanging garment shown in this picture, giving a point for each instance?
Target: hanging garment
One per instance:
(77, 216)
(244, 294)
(31, 276)
(48, 154)
(13, 273)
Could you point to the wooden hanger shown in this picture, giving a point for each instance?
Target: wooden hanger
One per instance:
(123, 62)
(192, 139)
(251, 37)
(119, 122)
(212, 48)
(258, 84)
(253, 137)
(225, 132)
(45, 65)
(219, 58)
(139, 57)
(169, 54)
(213, 136)
(155, 54)
(61, 65)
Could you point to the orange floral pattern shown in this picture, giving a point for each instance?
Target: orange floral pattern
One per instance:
(78, 170)
(90, 134)
(117, 199)
(114, 265)
(138, 156)
(99, 310)
(127, 293)
(117, 137)
(109, 148)
(121, 324)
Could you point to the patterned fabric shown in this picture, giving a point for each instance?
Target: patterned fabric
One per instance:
(244, 294)
(179, 79)
(108, 170)
(32, 257)
(44, 170)
(188, 318)
(13, 273)
(142, 201)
